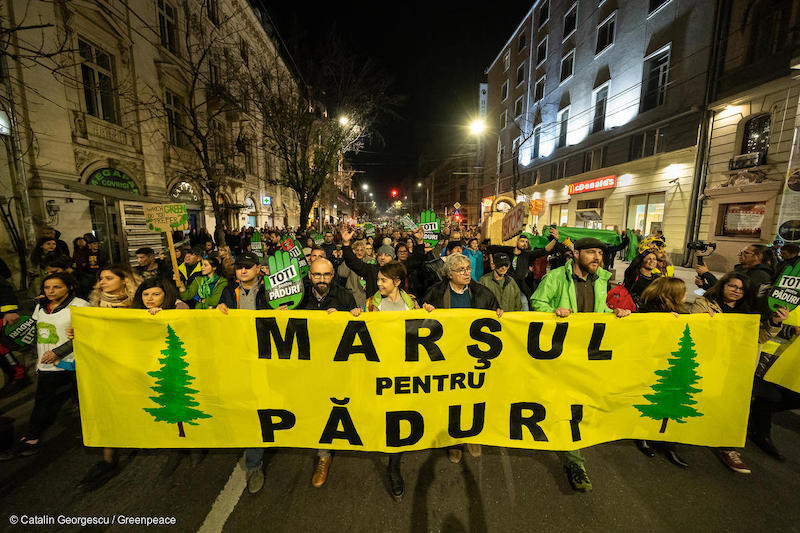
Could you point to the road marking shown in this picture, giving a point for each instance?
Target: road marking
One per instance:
(226, 501)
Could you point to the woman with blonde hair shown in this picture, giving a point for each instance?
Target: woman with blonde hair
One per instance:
(226, 261)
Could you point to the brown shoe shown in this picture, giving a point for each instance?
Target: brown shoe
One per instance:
(454, 454)
(321, 471)
(733, 460)
(474, 450)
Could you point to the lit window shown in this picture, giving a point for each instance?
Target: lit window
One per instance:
(97, 72)
(605, 33)
(507, 60)
(756, 135)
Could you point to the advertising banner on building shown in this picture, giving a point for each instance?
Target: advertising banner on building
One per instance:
(789, 214)
(397, 381)
(515, 220)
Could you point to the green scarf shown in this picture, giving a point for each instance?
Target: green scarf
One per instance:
(207, 284)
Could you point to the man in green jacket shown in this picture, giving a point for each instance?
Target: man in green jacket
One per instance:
(580, 286)
(504, 288)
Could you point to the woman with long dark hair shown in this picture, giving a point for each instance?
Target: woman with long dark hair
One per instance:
(56, 362)
(664, 295)
(640, 274)
(735, 293)
(206, 289)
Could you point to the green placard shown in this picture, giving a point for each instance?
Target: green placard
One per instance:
(284, 283)
(22, 332)
(432, 226)
(289, 245)
(786, 292)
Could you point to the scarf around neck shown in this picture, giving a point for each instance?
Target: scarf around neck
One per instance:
(207, 284)
(112, 300)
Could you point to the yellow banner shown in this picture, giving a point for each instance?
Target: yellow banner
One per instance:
(396, 381)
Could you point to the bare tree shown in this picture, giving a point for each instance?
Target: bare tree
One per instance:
(309, 128)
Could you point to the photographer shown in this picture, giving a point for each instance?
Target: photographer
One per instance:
(756, 262)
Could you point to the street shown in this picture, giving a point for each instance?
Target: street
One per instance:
(505, 490)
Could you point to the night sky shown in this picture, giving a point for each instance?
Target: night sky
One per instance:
(437, 53)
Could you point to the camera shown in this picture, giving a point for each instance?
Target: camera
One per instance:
(702, 249)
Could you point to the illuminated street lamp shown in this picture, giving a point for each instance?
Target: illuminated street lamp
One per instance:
(344, 121)
(477, 127)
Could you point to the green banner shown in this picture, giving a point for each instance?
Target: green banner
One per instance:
(607, 236)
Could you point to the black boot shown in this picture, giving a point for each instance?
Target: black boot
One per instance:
(645, 448)
(676, 459)
(764, 441)
(396, 483)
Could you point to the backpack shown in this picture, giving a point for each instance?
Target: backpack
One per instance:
(620, 298)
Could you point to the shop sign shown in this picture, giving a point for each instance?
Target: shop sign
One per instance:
(113, 179)
(596, 184)
(514, 221)
(536, 207)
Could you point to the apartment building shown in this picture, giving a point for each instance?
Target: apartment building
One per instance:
(94, 156)
(602, 114)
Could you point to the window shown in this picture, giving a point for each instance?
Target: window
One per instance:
(518, 108)
(656, 4)
(245, 100)
(520, 74)
(770, 28)
(501, 153)
(504, 91)
(168, 25)
(537, 140)
(97, 72)
(503, 119)
(507, 60)
(563, 123)
(538, 90)
(244, 52)
(571, 21)
(741, 220)
(217, 137)
(212, 9)
(645, 144)
(600, 100)
(541, 51)
(522, 41)
(175, 121)
(249, 157)
(656, 79)
(646, 212)
(567, 66)
(515, 147)
(213, 70)
(593, 159)
(544, 13)
(756, 135)
(605, 33)
(559, 214)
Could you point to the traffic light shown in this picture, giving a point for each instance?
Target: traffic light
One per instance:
(394, 193)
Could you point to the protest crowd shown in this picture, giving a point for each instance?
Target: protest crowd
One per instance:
(376, 268)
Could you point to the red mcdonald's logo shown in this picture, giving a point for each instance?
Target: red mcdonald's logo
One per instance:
(596, 184)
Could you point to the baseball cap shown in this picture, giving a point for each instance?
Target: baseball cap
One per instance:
(501, 259)
(589, 242)
(247, 260)
(90, 239)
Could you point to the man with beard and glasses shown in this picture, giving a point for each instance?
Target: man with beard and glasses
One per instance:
(579, 286)
(326, 296)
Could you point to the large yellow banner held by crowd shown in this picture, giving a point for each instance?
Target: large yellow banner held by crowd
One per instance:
(396, 381)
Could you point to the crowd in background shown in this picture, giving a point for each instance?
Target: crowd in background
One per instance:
(384, 268)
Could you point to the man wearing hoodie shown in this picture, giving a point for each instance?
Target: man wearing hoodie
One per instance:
(580, 286)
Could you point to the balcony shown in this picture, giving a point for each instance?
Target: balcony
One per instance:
(95, 131)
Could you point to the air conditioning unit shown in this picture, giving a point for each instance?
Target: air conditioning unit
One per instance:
(752, 159)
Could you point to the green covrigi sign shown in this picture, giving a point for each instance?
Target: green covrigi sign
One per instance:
(113, 179)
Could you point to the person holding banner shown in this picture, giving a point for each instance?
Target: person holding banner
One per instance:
(459, 291)
(502, 286)
(330, 297)
(580, 286)
(190, 268)
(734, 293)
(206, 289)
(248, 293)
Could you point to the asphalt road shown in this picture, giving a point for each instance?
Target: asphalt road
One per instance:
(505, 490)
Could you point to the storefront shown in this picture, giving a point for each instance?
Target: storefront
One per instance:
(649, 195)
(185, 193)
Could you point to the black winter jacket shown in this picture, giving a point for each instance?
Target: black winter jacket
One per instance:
(482, 298)
(337, 297)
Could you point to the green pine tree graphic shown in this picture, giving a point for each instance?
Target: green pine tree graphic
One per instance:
(172, 386)
(674, 389)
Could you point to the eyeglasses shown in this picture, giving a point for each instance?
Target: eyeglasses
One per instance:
(462, 271)
(735, 287)
(745, 252)
(317, 275)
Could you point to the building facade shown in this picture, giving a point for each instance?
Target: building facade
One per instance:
(94, 155)
(752, 127)
(612, 105)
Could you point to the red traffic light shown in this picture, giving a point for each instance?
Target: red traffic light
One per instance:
(394, 193)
